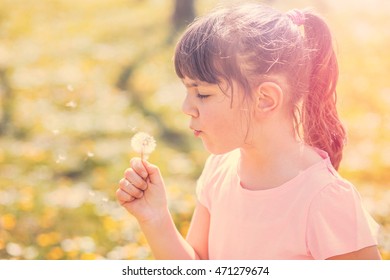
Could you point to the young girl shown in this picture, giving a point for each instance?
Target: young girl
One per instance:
(261, 96)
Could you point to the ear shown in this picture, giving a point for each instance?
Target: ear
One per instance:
(269, 96)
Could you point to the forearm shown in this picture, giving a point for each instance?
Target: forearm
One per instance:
(165, 241)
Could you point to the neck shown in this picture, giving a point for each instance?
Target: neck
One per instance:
(265, 166)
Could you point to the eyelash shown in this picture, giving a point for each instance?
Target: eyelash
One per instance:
(202, 96)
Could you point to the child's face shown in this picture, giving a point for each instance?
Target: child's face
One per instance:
(220, 123)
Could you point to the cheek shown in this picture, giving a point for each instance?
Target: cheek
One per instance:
(245, 122)
(232, 123)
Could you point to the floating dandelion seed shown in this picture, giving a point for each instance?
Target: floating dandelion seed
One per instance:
(143, 143)
(71, 104)
(60, 158)
(89, 155)
(70, 88)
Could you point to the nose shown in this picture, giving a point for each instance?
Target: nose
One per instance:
(188, 107)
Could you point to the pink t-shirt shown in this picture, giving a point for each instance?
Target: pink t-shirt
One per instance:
(315, 215)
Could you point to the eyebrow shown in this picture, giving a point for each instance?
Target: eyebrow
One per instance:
(190, 85)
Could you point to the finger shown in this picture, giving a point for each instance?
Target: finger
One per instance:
(135, 179)
(123, 196)
(124, 184)
(153, 172)
(138, 167)
(130, 189)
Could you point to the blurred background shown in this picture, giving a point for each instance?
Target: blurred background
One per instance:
(79, 78)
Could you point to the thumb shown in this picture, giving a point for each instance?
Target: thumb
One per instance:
(153, 173)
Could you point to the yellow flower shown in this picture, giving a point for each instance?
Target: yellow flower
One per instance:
(55, 253)
(88, 256)
(47, 239)
(8, 221)
(48, 217)
(73, 255)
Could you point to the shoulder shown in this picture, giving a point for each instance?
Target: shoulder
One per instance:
(337, 221)
(324, 182)
(340, 200)
(332, 190)
(335, 190)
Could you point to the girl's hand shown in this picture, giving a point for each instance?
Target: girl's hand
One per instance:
(142, 192)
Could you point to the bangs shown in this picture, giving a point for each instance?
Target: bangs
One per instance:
(198, 54)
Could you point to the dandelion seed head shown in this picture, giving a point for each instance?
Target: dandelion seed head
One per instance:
(143, 143)
(71, 104)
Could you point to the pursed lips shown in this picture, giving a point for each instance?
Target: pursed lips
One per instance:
(196, 132)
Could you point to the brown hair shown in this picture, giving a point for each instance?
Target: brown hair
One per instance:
(253, 43)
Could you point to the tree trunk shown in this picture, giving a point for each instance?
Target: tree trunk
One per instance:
(183, 14)
(7, 103)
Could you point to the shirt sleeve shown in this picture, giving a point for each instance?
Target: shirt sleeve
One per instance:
(338, 223)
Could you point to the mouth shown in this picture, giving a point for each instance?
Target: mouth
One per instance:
(197, 132)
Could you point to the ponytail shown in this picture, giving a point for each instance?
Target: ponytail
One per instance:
(321, 125)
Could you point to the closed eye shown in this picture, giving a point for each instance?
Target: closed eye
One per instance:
(202, 96)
